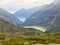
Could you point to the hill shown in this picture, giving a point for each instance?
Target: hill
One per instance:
(10, 28)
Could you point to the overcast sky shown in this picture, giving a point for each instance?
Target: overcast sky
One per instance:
(14, 5)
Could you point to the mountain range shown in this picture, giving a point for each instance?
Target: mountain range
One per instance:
(48, 17)
(45, 16)
(10, 28)
(23, 13)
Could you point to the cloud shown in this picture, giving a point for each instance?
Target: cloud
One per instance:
(4, 2)
(13, 5)
(41, 2)
(28, 3)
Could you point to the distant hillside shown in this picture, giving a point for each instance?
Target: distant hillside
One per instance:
(54, 29)
(10, 17)
(25, 13)
(46, 17)
(7, 27)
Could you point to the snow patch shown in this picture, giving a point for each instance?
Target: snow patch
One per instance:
(22, 19)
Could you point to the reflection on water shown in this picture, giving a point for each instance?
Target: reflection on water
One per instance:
(45, 44)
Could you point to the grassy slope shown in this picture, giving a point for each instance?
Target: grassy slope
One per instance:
(7, 39)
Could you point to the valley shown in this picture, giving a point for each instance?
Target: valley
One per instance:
(39, 25)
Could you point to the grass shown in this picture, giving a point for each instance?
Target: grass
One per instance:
(11, 39)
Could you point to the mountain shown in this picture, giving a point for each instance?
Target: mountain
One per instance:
(10, 17)
(54, 29)
(45, 17)
(55, 26)
(23, 14)
(10, 28)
